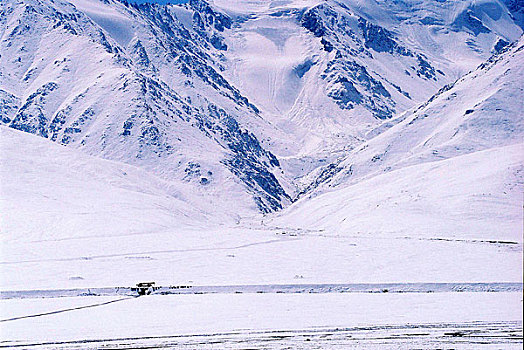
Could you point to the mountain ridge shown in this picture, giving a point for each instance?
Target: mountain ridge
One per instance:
(452, 167)
(179, 90)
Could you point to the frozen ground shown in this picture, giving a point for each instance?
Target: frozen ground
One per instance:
(271, 321)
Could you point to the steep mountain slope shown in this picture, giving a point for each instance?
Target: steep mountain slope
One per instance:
(173, 125)
(328, 72)
(133, 85)
(453, 167)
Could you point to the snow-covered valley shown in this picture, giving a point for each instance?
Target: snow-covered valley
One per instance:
(255, 151)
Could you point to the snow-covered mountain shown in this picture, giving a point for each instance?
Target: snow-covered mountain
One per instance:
(250, 103)
(452, 167)
(327, 72)
(133, 85)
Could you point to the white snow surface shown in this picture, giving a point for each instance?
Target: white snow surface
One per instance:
(50, 192)
(116, 24)
(242, 314)
(474, 196)
(71, 221)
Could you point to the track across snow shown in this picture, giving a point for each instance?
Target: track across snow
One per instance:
(62, 310)
(271, 321)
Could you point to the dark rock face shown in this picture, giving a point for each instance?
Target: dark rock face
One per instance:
(424, 68)
(218, 43)
(501, 44)
(208, 24)
(31, 117)
(77, 126)
(381, 39)
(376, 37)
(347, 96)
(327, 173)
(327, 45)
(249, 161)
(516, 8)
(141, 58)
(190, 50)
(345, 76)
(312, 21)
(349, 83)
(209, 16)
(9, 105)
(428, 20)
(468, 20)
(303, 68)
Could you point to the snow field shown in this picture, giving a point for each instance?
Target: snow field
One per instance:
(178, 315)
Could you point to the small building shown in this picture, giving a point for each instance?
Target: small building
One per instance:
(145, 288)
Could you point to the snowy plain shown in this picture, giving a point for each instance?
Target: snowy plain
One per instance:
(241, 320)
(435, 197)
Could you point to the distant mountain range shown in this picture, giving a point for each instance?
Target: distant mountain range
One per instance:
(253, 105)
